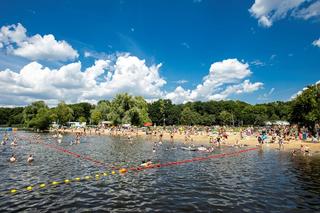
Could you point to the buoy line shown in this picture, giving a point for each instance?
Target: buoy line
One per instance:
(99, 175)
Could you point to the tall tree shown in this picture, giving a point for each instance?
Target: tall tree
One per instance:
(32, 110)
(189, 117)
(64, 113)
(306, 107)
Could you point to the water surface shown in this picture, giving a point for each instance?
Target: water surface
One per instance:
(256, 181)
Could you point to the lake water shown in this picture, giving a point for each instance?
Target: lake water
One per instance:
(256, 181)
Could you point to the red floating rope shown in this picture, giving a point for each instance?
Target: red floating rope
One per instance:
(191, 160)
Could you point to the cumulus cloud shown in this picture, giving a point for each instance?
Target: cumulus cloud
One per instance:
(224, 79)
(125, 73)
(102, 80)
(14, 40)
(316, 43)
(269, 11)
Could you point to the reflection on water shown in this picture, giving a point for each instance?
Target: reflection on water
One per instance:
(250, 182)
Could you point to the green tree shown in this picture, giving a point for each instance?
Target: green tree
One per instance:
(96, 116)
(225, 117)
(274, 117)
(306, 107)
(82, 119)
(32, 110)
(64, 113)
(189, 117)
(81, 110)
(42, 120)
(128, 109)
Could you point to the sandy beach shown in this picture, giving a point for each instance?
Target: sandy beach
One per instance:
(203, 139)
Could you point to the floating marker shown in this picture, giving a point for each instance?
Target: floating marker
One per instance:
(77, 179)
(67, 181)
(113, 172)
(29, 188)
(55, 183)
(87, 177)
(105, 174)
(13, 190)
(97, 176)
(42, 185)
(123, 170)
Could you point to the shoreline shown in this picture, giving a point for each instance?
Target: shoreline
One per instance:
(203, 139)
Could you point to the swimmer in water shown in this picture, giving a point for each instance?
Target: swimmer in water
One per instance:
(143, 164)
(14, 143)
(153, 149)
(30, 159)
(3, 142)
(146, 163)
(202, 148)
(13, 158)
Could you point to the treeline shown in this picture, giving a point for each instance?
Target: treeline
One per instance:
(304, 110)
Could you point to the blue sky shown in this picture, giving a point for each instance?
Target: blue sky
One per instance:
(187, 37)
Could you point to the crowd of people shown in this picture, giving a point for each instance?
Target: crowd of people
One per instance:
(216, 137)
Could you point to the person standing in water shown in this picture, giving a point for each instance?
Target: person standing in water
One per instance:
(281, 143)
(160, 137)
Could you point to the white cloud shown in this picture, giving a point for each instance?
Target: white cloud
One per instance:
(269, 11)
(316, 43)
(125, 73)
(311, 11)
(258, 63)
(14, 39)
(181, 81)
(102, 80)
(179, 95)
(224, 79)
(273, 56)
(264, 21)
(186, 45)
(101, 55)
(267, 95)
(130, 74)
